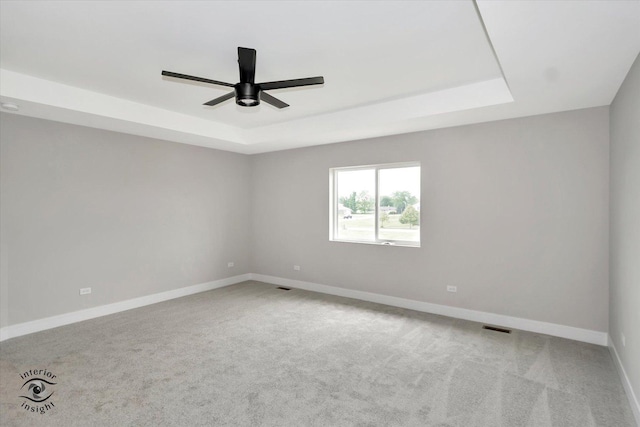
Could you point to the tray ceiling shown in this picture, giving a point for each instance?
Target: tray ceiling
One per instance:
(389, 67)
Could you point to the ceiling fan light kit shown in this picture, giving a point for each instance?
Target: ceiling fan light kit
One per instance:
(247, 92)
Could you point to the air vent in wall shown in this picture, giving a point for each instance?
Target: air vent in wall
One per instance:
(283, 289)
(494, 328)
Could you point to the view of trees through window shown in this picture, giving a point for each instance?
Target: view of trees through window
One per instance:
(389, 193)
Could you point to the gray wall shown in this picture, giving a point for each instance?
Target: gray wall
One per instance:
(515, 213)
(625, 224)
(125, 215)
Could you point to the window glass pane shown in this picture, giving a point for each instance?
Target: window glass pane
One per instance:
(356, 205)
(399, 204)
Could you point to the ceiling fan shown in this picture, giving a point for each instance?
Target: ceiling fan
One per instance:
(247, 92)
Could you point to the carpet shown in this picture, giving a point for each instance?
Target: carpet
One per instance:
(253, 355)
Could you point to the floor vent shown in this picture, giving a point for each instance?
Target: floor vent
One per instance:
(494, 328)
(283, 289)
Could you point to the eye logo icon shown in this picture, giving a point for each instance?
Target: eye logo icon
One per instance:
(37, 390)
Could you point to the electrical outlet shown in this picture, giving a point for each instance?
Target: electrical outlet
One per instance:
(230, 264)
(85, 291)
(296, 267)
(452, 289)
(624, 341)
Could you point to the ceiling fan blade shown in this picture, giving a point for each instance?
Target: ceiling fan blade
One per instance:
(197, 79)
(220, 99)
(292, 83)
(247, 64)
(264, 96)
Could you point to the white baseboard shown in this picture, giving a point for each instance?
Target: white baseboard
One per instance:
(585, 335)
(570, 332)
(633, 400)
(103, 310)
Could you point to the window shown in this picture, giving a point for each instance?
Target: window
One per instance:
(376, 204)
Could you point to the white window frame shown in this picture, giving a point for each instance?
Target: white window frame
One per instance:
(333, 204)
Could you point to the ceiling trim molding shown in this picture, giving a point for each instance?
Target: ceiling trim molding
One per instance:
(54, 101)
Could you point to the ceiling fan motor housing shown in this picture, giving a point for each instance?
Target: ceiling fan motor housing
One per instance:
(247, 94)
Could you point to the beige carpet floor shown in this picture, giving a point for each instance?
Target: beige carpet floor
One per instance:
(253, 355)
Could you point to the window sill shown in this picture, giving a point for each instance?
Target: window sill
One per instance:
(391, 244)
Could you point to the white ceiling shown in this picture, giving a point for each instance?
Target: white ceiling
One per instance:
(389, 67)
